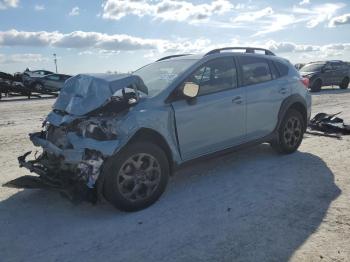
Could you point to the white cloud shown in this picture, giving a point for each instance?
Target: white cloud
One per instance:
(164, 9)
(23, 38)
(104, 44)
(253, 16)
(311, 16)
(288, 47)
(21, 58)
(4, 4)
(304, 2)
(75, 11)
(339, 20)
(276, 22)
(39, 7)
(334, 47)
(319, 13)
(95, 40)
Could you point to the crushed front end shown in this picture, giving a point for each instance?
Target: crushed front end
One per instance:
(78, 136)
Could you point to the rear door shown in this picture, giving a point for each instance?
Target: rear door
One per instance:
(52, 82)
(215, 119)
(264, 93)
(328, 75)
(339, 72)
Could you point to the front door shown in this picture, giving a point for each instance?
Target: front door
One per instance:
(215, 119)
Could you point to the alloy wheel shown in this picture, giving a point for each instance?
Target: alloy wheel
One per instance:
(292, 132)
(139, 177)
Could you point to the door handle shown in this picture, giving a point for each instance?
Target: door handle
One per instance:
(237, 100)
(283, 91)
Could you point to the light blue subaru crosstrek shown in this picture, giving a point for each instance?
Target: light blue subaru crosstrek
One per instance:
(121, 136)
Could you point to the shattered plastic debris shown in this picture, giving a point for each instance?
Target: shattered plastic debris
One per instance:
(328, 125)
(89, 169)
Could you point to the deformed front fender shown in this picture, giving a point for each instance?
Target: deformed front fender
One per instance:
(158, 120)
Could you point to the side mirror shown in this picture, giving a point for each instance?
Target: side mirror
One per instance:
(190, 90)
(325, 69)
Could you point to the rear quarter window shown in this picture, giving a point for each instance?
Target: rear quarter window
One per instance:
(283, 69)
(255, 70)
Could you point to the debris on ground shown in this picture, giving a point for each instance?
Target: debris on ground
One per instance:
(329, 125)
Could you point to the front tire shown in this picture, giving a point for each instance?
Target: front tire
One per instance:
(136, 177)
(290, 133)
(316, 86)
(345, 83)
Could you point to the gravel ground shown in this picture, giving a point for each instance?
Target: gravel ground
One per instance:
(251, 205)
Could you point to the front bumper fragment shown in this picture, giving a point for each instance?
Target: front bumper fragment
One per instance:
(70, 156)
(63, 182)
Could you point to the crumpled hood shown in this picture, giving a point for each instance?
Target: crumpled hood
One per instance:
(83, 93)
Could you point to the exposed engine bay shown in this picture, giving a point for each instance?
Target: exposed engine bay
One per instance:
(79, 134)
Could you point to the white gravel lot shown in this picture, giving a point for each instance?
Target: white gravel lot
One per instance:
(251, 205)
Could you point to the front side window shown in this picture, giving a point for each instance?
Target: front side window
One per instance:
(214, 76)
(255, 70)
(312, 68)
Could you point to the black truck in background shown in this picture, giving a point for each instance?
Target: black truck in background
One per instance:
(327, 73)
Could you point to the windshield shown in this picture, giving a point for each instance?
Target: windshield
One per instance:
(158, 76)
(312, 68)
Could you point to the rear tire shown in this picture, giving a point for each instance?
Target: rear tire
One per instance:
(290, 133)
(345, 83)
(316, 86)
(136, 177)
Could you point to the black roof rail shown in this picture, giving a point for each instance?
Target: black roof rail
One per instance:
(247, 50)
(327, 61)
(171, 56)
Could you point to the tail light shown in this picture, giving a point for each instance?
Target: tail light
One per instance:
(305, 81)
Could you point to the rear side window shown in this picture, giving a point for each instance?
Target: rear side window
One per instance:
(64, 77)
(54, 77)
(255, 70)
(274, 71)
(336, 66)
(282, 68)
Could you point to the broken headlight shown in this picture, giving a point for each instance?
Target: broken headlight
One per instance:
(98, 130)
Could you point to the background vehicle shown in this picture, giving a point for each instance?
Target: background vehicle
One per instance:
(51, 83)
(5, 83)
(9, 85)
(121, 136)
(326, 73)
(28, 77)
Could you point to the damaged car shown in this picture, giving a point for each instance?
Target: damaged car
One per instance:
(119, 137)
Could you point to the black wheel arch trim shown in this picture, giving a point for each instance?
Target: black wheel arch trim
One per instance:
(142, 133)
(294, 100)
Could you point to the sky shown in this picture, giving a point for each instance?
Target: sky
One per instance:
(121, 36)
